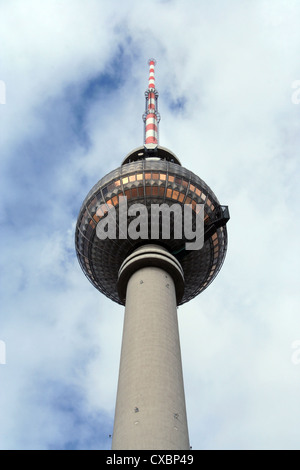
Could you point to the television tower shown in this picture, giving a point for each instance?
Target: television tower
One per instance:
(151, 278)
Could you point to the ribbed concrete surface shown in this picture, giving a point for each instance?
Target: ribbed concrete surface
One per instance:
(150, 410)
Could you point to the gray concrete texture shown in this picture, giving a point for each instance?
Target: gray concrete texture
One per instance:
(150, 408)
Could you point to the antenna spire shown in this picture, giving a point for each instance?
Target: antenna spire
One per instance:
(151, 117)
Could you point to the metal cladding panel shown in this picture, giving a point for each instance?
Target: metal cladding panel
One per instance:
(149, 182)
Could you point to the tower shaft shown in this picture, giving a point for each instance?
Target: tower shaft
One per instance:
(150, 409)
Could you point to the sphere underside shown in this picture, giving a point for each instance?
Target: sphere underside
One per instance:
(148, 182)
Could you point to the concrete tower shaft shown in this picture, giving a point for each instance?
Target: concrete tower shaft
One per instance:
(150, 410)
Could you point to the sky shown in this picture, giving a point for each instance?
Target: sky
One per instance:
(74, 75)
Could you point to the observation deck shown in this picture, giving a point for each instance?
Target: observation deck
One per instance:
(150, 176)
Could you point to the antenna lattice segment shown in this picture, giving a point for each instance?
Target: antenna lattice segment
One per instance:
(151, 117)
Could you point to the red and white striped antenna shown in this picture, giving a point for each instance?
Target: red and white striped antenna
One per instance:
(151, 117)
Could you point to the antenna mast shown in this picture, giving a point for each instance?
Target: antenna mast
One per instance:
(151, 117)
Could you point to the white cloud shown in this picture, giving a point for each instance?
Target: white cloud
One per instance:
(233, 68)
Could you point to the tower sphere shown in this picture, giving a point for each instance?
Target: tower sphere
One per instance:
(150, 175)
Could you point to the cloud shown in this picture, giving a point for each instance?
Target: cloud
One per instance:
(75, 75)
